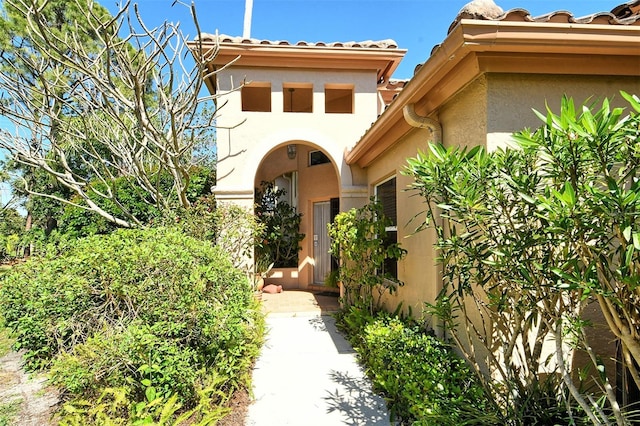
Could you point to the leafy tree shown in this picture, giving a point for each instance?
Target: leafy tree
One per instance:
(98, 98)
(528, 237)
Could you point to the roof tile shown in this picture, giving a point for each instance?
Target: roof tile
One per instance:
(624, 14)
(367, 44)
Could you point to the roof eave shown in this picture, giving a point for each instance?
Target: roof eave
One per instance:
(474, 47)
(383, 60)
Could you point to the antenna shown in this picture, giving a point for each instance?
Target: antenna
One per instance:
(248, 9)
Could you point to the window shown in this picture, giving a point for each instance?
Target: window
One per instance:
(386, 196)
(318, 157)
(297, 97)
(338, 99)
(256, 97)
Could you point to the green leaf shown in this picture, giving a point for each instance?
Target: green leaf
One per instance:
(527, 198)
(626, 233)
(636, 240)
(570, 194)
(587, 120)
(150, 393)
(632, 99)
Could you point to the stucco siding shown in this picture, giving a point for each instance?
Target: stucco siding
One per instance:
(418, 270)
(511, 98)
(464, 117)
(245, 138)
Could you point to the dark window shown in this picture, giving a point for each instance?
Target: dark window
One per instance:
(318, 157)
(386, 196)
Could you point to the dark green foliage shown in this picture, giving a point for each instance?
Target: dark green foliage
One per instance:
(422, 379)
(135, 309)
(130, 199)
(280, 240)
(11, 229)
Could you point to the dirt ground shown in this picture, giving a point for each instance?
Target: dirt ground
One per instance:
(34, 400)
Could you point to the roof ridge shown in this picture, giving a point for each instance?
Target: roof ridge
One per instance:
(366, 44)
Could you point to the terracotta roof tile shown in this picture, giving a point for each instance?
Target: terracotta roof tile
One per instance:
(368, 44)
(623, 14)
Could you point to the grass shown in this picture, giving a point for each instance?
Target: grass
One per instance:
(8, 411)
(6, 340)
(4, 269)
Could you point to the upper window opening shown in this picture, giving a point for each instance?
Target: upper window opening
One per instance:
(297, 97)
(256, 97)
(338, 99)
(318, 157)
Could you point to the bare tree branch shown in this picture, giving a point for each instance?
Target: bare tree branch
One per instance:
(124, 106)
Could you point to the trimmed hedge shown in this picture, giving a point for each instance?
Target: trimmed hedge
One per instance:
(423, 381)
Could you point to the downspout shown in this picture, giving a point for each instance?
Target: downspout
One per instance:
(415, 120)
(421, 122)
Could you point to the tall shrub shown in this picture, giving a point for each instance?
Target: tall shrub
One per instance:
(279, 242)
(358, 240)
(527, 238)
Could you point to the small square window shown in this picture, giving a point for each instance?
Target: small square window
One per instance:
(318, 157)
(297, 97)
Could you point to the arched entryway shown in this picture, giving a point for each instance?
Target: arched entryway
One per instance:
(312, 184)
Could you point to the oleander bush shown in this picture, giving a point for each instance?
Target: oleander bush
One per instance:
(140, 322)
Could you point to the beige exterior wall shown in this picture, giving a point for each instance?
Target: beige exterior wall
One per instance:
(245, 138)
(487, 111)
(418, 270)
(464, 117)
(511, 98)
(252, 145)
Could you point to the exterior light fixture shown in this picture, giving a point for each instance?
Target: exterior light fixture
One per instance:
(291, 151)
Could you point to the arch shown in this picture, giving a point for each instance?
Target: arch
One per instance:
(311, 137)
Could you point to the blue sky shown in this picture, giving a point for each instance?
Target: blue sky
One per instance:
(416, 25)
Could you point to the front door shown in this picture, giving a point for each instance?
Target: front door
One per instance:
(321, 244)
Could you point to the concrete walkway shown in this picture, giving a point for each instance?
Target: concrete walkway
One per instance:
(307, 374)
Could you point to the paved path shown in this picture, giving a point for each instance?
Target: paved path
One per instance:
(307, 375)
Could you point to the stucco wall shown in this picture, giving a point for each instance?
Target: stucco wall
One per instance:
(511, 98)
(418, 270)
(464, 117)
(245, 138)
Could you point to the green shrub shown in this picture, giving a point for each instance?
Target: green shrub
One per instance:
(422, 379)
(231, 227)
(359, 240)
(134, 310)
(279, 241)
